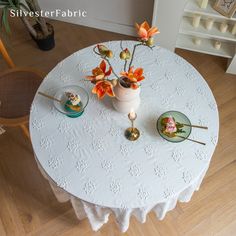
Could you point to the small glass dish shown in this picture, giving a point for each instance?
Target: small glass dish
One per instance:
(61, 106)
(180, 118)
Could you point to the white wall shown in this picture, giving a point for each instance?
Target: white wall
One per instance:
(112, 15)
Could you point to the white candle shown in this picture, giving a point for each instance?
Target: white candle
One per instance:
(132, 114)
(223, 27)
(197, 41)
(209, 23)
(203, 3)
(217, 45)
(234, 29)
(196, 21)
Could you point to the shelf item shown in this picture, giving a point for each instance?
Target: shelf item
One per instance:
(234, 30)
(187, 28)
(207, 46)
(193, 7)
(217, 45)
(203, 3)
(223, 27)
(197, 41)
(209, 23)
(196, 20)
(205, 30)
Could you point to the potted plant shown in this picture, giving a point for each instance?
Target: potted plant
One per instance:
(125, 88)
(41, 31)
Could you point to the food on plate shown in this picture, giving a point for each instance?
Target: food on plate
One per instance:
(170, 127)
(73, 103)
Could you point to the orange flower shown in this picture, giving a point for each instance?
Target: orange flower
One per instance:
(145, 32)
(99, 73)
(102, 88)
(134, 76)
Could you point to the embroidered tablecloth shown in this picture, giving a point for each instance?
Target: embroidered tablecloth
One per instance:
(90, 158)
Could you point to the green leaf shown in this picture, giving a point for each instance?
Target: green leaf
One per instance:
(4, 20)
(2, 3)
(30, 5)
(12, 5)
(178, 125)
(23, 6)
(180, 131)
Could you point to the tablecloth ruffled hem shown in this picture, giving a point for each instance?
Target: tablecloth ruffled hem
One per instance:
(99, 215)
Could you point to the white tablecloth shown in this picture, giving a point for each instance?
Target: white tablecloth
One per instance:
(89, 157)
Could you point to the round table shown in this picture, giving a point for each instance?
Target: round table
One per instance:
(89, 158)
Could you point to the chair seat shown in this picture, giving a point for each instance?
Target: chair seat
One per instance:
(17, 90)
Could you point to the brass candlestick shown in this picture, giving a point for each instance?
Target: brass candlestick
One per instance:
(132, 133)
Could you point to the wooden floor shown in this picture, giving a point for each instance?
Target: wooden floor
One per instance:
(28, 206)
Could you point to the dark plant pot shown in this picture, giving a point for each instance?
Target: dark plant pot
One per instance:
(47, 43)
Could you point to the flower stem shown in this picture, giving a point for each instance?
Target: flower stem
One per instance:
(108, 62)
(122, 49)
(94, 50)
(121, 45)
(125, 65)
(132, 57)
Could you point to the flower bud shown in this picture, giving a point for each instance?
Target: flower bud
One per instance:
(102, 49)
(123, 55)
(150, 42)
(127, 52)
(109, 54)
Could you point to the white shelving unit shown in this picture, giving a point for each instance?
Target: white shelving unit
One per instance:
(187, 28)
(206, 46)
(187, 33)
(193, 8)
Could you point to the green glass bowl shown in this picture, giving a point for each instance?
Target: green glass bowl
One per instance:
(180, 118)
(60, 95)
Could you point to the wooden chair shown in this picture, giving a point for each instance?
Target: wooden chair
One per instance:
(17, 89)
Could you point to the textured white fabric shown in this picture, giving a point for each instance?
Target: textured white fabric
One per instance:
(89, 156)
(98, 215)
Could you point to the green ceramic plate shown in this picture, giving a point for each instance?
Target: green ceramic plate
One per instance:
(180, 118)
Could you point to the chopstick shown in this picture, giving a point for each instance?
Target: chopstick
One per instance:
(50, 97)
(196, 126)
(192, 140)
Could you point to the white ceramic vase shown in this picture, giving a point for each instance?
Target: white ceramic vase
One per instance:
(126, 98)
